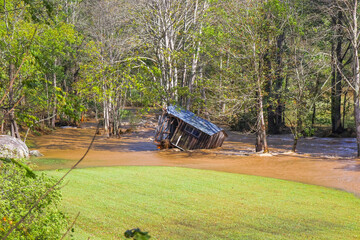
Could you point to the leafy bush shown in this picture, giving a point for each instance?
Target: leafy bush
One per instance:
(18, 192)
(309, 132)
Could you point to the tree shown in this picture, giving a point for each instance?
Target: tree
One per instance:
(248, 48)
(172, 34)
(340, 49)
(105, 71)
(350, 13)
(278, 17)
(306, 66)
(16, 36)
(35, 44)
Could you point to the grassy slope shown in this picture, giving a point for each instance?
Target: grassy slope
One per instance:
(178, 203)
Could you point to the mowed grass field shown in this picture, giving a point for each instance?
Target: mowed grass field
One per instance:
(180, 203)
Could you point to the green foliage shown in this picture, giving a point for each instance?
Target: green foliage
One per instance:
(19, 192)
(38, 44)
(29, 172)
(69, 65)
(40, 10)
(309, 132)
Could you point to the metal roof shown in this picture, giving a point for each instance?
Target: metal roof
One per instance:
(193, 120)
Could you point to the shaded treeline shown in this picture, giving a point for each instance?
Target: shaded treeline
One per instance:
(267, 66)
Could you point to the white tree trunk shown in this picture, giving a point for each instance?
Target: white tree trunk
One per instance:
(261, 140)
(55, 98)
(356, 70)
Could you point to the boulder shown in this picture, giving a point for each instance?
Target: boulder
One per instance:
(36, 153)
(11, 147)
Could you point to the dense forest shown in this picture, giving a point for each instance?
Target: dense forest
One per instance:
(268, 67)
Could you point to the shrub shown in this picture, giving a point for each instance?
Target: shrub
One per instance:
(19, 190)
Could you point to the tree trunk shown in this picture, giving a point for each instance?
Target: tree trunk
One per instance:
(313, 116)
(357, 122)
(344, 109)
(298, 128)
(258, 143)
(270, 95)
(357, 112)
(195, 58)
(2, 126)
(356, 98)
(294, 144)
(106, 110)
(13, 126)
(315, 94)
(336, 88)
(275, 109)
(48, 122)
(96, 110)
(55, 102)
(279, 80)
(356, 70)
(261, 141)
(106, 118)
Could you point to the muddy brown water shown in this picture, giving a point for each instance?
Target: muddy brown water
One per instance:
(320, 161)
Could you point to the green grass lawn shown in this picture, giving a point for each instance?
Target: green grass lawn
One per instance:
(180, 203)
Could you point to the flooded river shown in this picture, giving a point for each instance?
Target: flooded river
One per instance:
(327, 162)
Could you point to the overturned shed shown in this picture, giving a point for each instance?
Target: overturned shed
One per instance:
(184, 130)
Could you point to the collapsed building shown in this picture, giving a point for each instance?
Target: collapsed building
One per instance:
(186, 131)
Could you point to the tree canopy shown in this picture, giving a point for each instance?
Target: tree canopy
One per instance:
(268, 67)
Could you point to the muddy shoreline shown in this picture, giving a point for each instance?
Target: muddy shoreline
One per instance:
(320, 161)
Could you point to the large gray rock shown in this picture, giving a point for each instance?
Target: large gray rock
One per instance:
(36, 153)
(11, 147)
